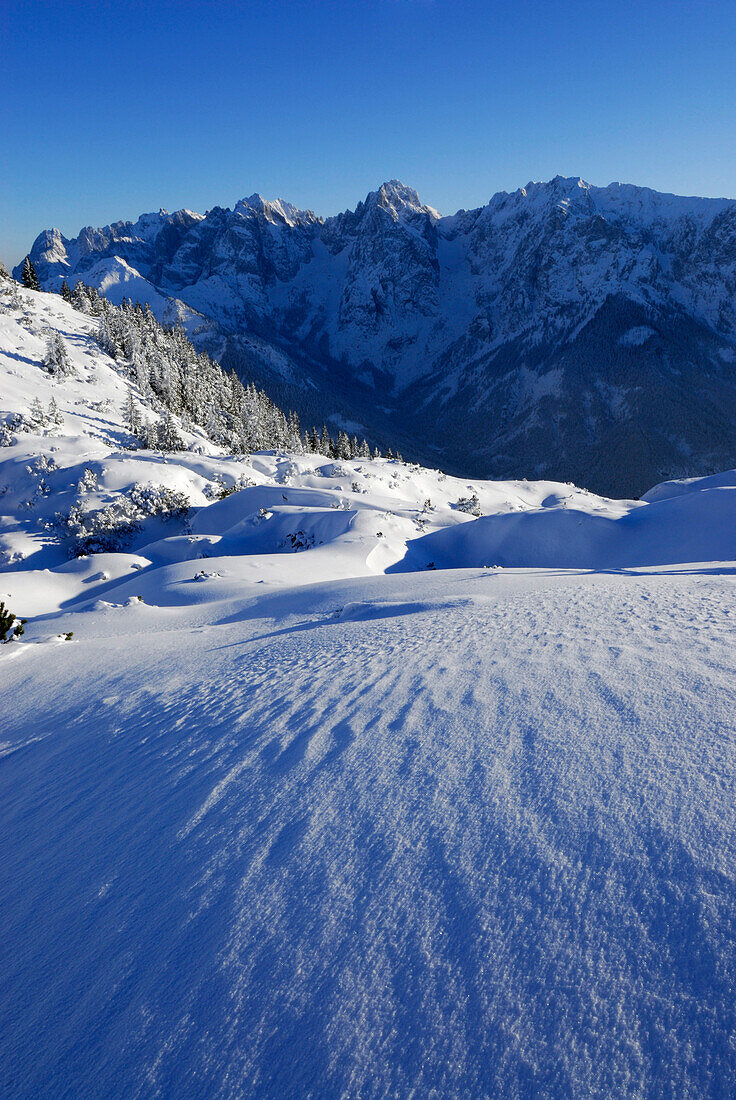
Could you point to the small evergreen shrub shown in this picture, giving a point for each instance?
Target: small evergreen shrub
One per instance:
(469, 504)
(110, 529)
(11, 627)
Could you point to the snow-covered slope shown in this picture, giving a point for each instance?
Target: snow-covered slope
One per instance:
(360, 779)
(563, 331)
(358, 517)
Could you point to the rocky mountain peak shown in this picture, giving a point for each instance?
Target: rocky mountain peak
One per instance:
(398, 200)
(276, 211)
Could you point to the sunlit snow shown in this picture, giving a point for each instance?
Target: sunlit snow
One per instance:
(339, 788)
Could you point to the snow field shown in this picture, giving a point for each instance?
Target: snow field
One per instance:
(459, 834)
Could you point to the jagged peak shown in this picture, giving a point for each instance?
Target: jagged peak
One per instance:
(273, 210)
(397, 198)
(568, 186)
(154, 218)
(396, 191)
(616, 199)
(47, 237)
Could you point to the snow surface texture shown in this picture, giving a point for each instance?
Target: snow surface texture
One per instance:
(295, 814)
(563, 330)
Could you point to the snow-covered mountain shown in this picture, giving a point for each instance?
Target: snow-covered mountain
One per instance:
(66, 445)
(562, 330)
(329, 778)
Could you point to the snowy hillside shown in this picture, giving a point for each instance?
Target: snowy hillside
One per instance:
(563, 330)
(350, 778)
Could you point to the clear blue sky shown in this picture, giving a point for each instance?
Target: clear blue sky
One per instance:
(110, 109)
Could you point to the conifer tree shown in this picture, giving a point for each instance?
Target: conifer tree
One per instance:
(168, 438)
(106, 336)
(80, 300)
(132, 416)
(293, 434)
(343, 445)
(37, 414)
(54, 415)
(29, 278)
(66, 292)
(56, 360)
(10, 625)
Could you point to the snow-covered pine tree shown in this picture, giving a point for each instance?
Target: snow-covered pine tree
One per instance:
(294, 438)
(168, 434)
(66, 292)
(106, 335)
(132, 416)
(95, 302)
(80, 300)
(56, 361)
(37, 415)
(343, 445)
(29, 278)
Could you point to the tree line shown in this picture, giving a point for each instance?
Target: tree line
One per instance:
(175, 380)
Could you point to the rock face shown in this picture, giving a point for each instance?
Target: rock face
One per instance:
(564, 330)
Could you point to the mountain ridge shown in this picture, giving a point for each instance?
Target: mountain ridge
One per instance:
(496, 340)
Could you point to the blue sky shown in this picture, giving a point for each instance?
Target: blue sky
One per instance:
(112, 109)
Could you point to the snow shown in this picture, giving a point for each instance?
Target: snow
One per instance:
(117, 280)
(325, 821)
(274, 210)
(636, 336)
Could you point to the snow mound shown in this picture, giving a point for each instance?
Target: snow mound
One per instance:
(692, 527)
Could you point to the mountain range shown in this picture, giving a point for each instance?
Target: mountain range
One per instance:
(562, 331)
